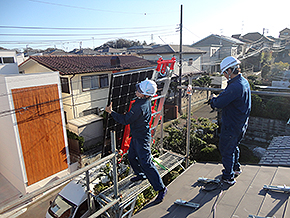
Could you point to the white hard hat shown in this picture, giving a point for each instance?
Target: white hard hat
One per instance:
(229, 62)
(147, 87)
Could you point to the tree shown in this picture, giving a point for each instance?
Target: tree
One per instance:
(278, 108)
(278, 68)
(121, 43)
(265, 71)
(266, 59)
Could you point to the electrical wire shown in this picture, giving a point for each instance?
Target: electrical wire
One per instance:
(79, 28)
(82, 34)
(95, 9)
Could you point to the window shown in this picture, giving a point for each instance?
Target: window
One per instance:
(64, 85)
(213, 51)
(83, 208)
(91, 111)
(95, 82)
(8, 60)
(190, 61)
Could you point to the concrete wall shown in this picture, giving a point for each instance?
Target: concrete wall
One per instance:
(262, 130)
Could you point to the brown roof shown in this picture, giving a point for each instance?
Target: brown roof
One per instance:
(67, 65)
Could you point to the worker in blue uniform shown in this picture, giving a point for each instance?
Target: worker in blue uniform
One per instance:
(235, 102)
(139, 154)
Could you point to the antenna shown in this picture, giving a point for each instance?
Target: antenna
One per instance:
(162, 40)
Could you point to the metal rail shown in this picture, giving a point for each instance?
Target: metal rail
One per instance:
(282, 94)
(40, 191)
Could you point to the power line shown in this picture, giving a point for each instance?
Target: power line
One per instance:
(86, 34)
(79, 28)
(95, 9)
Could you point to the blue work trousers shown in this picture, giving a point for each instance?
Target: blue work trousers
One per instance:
(140, 160)
(228, 146)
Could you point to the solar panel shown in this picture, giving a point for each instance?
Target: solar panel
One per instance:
(122, 92)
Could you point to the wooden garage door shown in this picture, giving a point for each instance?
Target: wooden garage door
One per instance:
(41, 131)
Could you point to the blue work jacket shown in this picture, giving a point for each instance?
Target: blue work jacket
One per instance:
(235, 102)
(138, 117)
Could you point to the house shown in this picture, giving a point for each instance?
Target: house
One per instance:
(8, 62)
(111, 51)
(191, 65)
(218, 47)
(85, 86)
(284, 34)
(191, 57)
(84, 51)
(257, 40)
(33, 140)
(138, 49)
(255, 43)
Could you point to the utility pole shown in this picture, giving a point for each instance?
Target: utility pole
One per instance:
(180, 62)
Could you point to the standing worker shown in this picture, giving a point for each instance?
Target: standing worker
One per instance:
(139, 154)
(235, 102)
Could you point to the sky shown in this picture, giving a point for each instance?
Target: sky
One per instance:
(69, 24)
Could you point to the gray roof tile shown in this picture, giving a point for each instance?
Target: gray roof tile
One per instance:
(72, 64)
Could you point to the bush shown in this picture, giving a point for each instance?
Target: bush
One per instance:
(81, 139)
(209, 153)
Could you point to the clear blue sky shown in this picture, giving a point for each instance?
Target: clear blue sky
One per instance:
(66, 23)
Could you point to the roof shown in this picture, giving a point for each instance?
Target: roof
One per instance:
(74, 192)
(172, 49)
(217, 40)
(140, 47)
(246, 197)
(255, 36)
(111, 50)
(278, 152)
(73, 64)
(285, 29)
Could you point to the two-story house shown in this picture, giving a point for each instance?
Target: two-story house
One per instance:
(191, 63)
(218, 47)
(85, 86)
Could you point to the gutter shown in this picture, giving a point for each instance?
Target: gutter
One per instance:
(72, 96)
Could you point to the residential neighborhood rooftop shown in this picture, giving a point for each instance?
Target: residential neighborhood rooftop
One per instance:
(72, 64)
(246, 197)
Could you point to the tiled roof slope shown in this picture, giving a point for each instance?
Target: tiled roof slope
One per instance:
(70, 64)
(278, 152)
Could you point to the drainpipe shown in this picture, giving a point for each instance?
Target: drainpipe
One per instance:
(72, 96)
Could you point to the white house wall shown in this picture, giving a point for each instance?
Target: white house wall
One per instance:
(33, 67)
(11, 165)
(195, 67)
(9, 68)
(11, 159)
(85, 100)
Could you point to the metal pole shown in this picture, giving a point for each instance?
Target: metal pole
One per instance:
(281, 94)
(189, 92)
(88, 190)
(161, 129)
(115, 176)
(180, 61)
